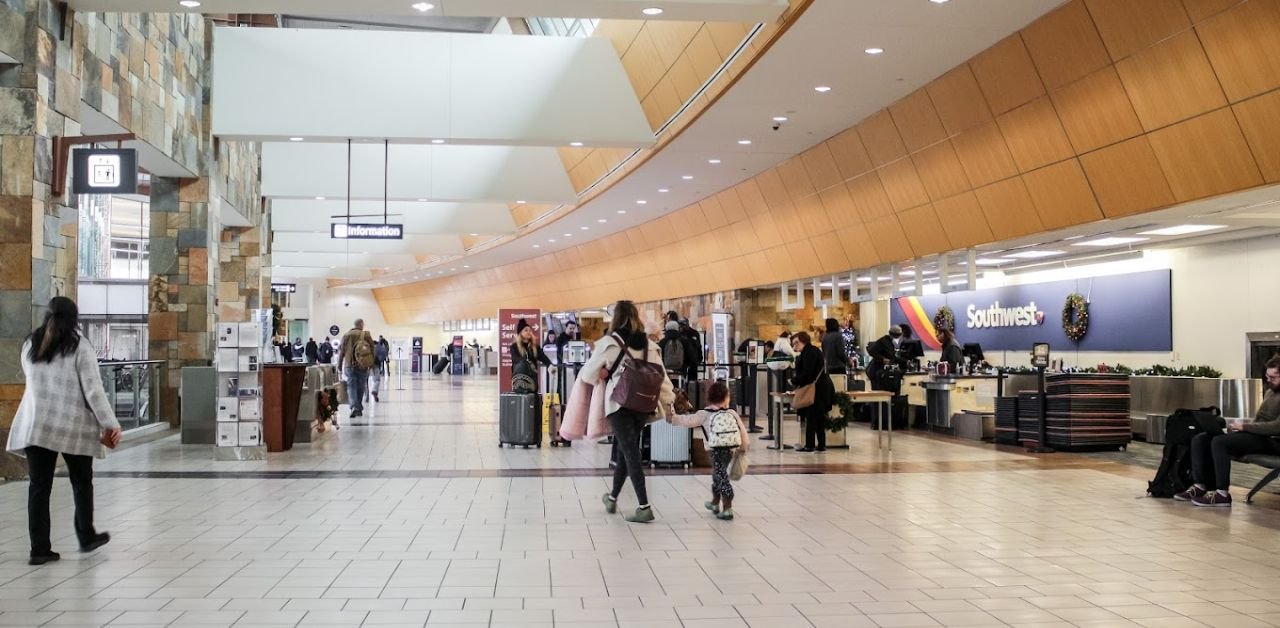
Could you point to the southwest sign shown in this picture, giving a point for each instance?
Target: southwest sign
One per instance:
(355, 231)
(1130, 312)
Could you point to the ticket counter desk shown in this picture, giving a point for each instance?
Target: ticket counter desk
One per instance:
(945, 396)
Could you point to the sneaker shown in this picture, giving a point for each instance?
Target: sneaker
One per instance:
(98, 540)
(40, 559)
(375, 398)
(726, 515)
(712, 506)
(610, 504)
(1213, 499)
(803, 450)
(643, 515)
(1190, 494)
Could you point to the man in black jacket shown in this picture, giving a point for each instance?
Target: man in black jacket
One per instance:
(693, 352)
(884, 353)
(312, 351)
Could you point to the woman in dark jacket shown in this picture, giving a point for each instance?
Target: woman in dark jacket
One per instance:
(525, 356)
(833, 351)
(810, 368)
(951, 353)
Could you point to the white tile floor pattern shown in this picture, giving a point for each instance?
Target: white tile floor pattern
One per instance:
(1063, 547)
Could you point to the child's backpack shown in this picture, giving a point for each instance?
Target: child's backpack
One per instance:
(1174, 474)
(723, 430)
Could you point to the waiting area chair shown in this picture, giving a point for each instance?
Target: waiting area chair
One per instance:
(1262, 460)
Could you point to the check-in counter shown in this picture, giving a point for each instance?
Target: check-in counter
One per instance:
(945, 396)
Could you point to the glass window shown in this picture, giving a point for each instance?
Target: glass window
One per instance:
(114, 241)
(562, 27)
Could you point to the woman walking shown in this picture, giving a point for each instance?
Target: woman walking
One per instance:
(64, 410)
(811, 369)
(626, 333)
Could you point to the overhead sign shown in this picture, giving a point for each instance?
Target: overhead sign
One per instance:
(284, 288)
(355, 231)
(1130, 312)
(334, 330)
(104, 171)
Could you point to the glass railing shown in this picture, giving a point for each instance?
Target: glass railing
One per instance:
(133, 389)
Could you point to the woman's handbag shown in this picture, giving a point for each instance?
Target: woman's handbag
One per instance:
(806, 395)
(738, 467)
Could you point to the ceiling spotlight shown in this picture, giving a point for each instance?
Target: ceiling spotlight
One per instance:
(939, 1)
(537, 246)
(190, 4)
(423, 7)
(568, 235)
(319, 198)
(642, 202)
(551, 240)
(713, 161)
(295, 139)
(437, 141)
(576, 144)
(822, 89)
(744, 142)
(452, 269)
(663, 190)
(519, 202)
(474, 235)
(622, 211)
(584, 228)
(465, 266)
(603, 220)
(687, 177)
(874, 51)
(780, 118)
(652, 11)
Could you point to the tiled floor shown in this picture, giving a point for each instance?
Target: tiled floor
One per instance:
(935, 533)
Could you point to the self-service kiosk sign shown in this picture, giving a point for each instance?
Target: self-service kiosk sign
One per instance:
(104, 171)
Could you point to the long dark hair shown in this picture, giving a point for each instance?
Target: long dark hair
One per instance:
(627, 324)
(58, 336)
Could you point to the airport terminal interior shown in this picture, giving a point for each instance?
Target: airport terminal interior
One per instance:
(938, 313)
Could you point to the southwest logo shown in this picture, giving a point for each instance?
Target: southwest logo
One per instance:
(996, 316)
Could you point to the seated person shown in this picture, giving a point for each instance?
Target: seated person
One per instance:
(1211, 453)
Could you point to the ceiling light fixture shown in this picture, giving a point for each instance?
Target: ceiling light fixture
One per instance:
(584, 228)
(537, 246)
(822, 89)
(1033, 254)
(780, 118)
(422, 200)
(713, 161)
(190, 4)
(437, 141)
(319, 198)
(474, 235)
(567, 235)
(687, 177)
(642, 202)
(874, 51)
(465, 266)
(991, 261)
(423, 7)
(622, 211)
(744, 142)
(603, 220)
(576, 144)
(939, 1)
(519, 202)
(1113, 241)
(663, 190)
(295, 139)
(651, 11)
(551, 240)
(1181, 230)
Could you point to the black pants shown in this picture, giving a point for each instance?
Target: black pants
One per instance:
(628, 427)
(1211, 455)
(815, 428)
(40, 466)
(721, 458)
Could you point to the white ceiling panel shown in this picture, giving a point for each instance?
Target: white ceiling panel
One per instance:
(341, 261)
(273, 84)
(698, 10)
(417, 218)
(492, 174)
(282, 274)
(300, 242)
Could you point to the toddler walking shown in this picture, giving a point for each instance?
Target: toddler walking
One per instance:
(723, 432)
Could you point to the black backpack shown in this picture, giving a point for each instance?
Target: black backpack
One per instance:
(1174, 474)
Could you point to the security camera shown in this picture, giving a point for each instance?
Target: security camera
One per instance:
(777, 125)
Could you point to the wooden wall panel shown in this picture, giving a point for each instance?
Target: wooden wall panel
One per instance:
(1128, 26)
(850, 155)
(1260, 121)
(830, 252)
(1061, 195)
(924, 230)
(1095, 111)
(821, 167)
(1127, 178)
(1065, 45)
(880, 138)
(1006, 74)
(857, 246)
(1170, 82)
(962, 218)
(1009, 210)
(1034, 135)
(1244, 46)
(1201, 10)
(889, 240)
(1205, 156)
(869, 197)
(959, 100)
(839, 206)
(984, 155)
(903, 185)
(940, 171)
(795, 178)
(917, 121)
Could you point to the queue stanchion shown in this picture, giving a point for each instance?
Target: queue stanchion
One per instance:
(768, 390)
(399, 368)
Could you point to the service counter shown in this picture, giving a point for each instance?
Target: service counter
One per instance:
(946, 396)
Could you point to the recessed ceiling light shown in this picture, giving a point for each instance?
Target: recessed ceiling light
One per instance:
(319, 198)
(537, 246)
(939, 1)
(1182, 230)
(991, 261)
(584, 228)
(822, 89)
(519, 202)
(423, 7)
(452, 269)
(575, 144)
(1110, 241)
(465, 266)
(687, 177)
(422, 200)
(295, 139)
(437, 141)
(874, 51)
(568, 235)
(744, 142)
(190, 4)
(652, 11)
(780, 118)
(713, 161)
(603, 220)
(551, 240)
(642, 202)
(663, 190)
(1033, 254)
(622, 211)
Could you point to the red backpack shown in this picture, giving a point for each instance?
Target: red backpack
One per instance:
(639, 382)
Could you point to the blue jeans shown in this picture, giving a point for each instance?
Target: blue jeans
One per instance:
(357, 385)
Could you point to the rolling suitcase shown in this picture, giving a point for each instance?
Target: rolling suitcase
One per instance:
(670, 445)
(440, 365)
(520, 420)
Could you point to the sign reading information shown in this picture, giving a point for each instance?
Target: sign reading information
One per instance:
(354, 231)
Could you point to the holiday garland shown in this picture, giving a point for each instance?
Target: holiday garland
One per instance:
(1075, 317)
(944, 318)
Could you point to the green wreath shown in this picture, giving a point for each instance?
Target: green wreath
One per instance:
(944, 319)
(1075, 317)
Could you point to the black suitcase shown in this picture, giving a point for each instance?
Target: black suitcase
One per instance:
(520, 420)
(441, 365)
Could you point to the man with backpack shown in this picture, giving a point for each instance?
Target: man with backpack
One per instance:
(673, 346)
(325, 351)
(381, 355)
(693, 349)
(355, 358)
(1212, 452)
